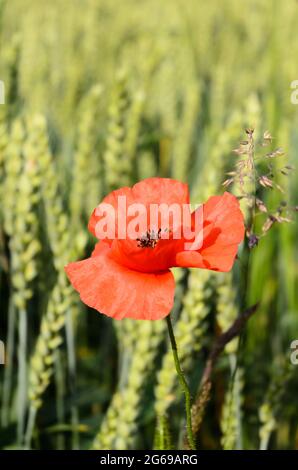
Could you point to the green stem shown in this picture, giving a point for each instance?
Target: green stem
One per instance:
(183, 384)
(8, 370)
(22, 376)
(60, 392)
(30, 427)
(71, 359)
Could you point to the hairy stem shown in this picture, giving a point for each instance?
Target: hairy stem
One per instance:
(183, 384)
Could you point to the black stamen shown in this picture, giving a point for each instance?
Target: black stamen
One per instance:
(150, 239)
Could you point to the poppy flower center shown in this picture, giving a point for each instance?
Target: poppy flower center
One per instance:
(149, 239)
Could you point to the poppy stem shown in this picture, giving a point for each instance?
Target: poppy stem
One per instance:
(183, 384)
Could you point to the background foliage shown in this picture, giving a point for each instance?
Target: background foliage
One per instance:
(100, 94)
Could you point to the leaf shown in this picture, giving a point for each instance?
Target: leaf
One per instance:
(162, 438)
(67, 428)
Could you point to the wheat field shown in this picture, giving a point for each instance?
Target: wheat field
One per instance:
(100, 94)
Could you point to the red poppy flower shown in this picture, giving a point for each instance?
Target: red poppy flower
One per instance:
(131, 277)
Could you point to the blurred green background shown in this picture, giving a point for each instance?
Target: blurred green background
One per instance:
(99, 94)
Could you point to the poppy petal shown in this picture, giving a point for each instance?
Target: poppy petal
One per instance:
(149, 260)
(223, 231)
(120, 292)
(190, 259)
(149, 191)
(221, 245)
(113, 200)
(161, 190)
(220, 257)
